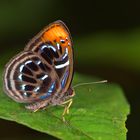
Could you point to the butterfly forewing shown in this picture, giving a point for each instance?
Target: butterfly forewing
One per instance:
(44, 68)
(54, 45)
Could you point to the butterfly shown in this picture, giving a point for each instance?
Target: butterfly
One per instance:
(41, 75)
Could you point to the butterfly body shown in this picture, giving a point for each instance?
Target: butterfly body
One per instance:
(41, 75)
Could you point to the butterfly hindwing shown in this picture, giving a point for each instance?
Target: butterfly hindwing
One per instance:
(29, 79)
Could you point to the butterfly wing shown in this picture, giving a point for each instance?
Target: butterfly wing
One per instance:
(28, 79)
(44, 68)
(55, 45)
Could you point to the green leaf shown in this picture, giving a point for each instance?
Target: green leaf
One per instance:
(98, 112)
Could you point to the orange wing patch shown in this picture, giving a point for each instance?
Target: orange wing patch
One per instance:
(55, 33)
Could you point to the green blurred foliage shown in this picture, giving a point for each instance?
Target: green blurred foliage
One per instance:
(23, 16)
(113, 49)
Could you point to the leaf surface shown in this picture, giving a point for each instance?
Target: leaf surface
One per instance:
(98, 112)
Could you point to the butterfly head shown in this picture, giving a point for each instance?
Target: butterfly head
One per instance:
(70, 93)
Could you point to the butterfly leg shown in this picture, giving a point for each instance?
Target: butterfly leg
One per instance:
(67, 105)
(36, 106)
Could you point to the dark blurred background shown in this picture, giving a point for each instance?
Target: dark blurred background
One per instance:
(106, 37)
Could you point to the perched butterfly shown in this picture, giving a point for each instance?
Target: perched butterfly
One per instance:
(41, 75)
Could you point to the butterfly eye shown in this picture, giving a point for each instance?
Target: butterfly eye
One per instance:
(70, 92)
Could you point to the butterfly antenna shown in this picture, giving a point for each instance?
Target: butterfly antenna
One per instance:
(89, 83)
